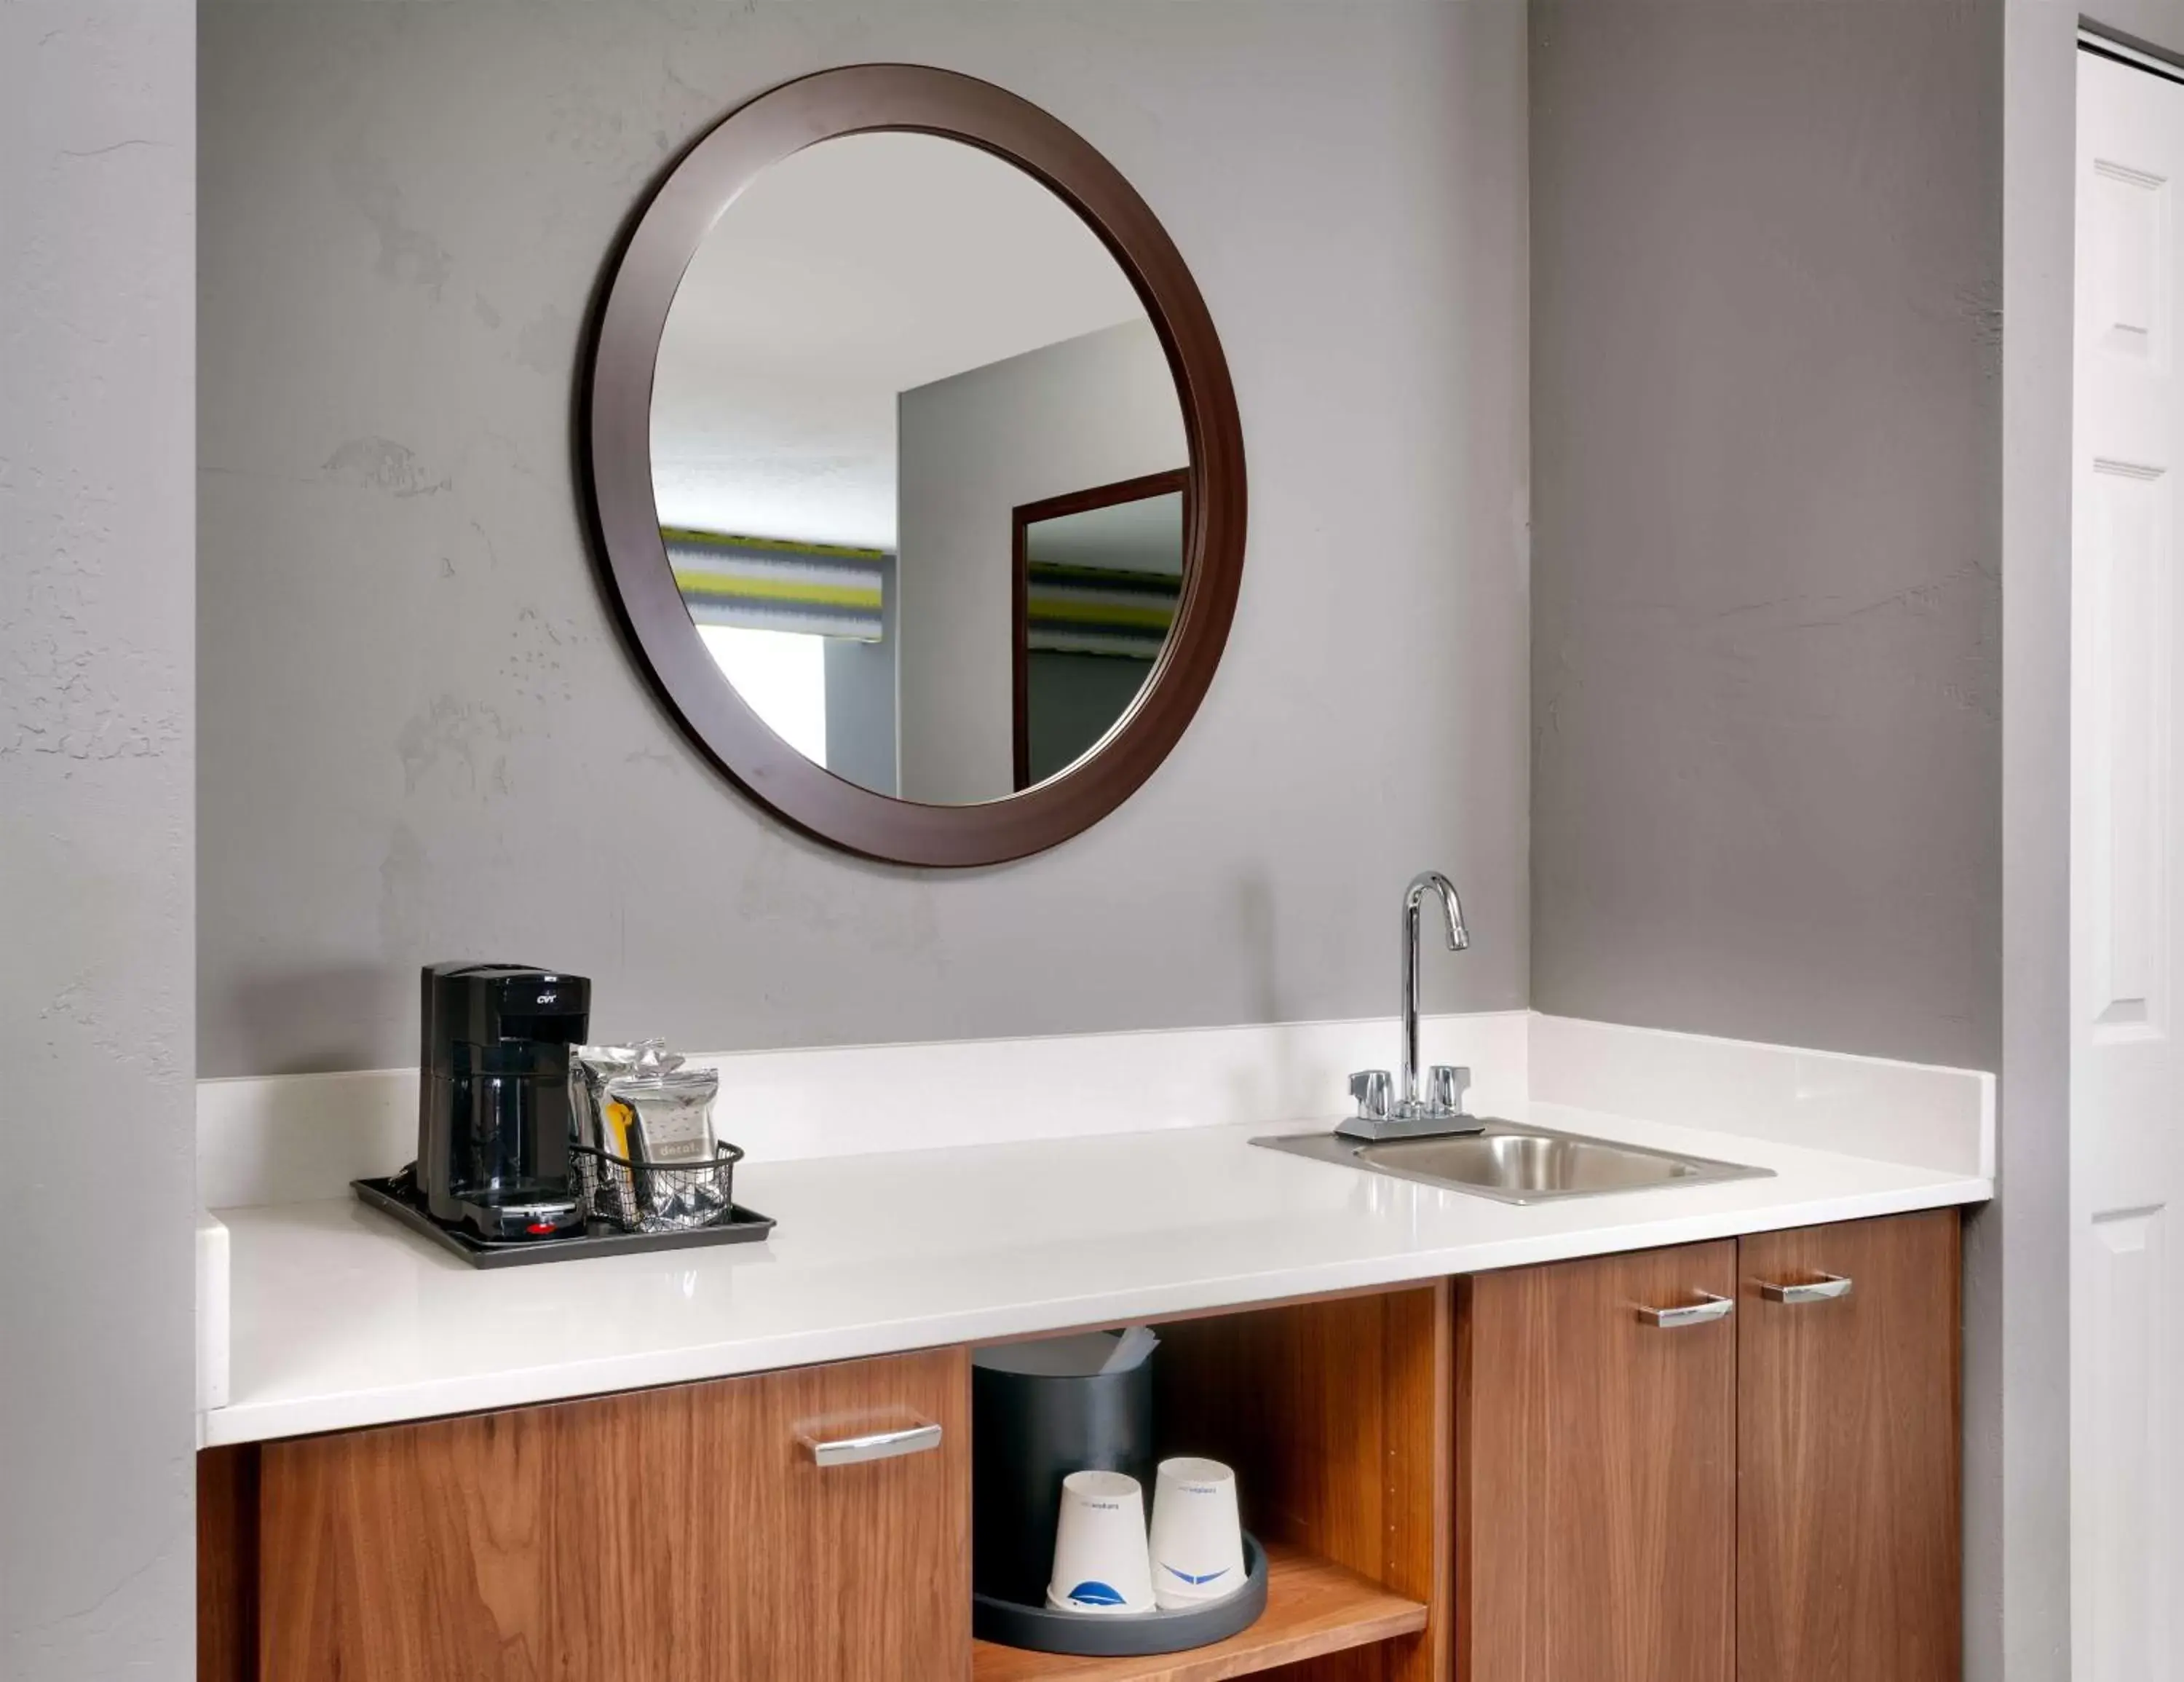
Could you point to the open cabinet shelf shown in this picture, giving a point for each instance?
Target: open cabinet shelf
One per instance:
(1336, 1414)
(1313, 1607)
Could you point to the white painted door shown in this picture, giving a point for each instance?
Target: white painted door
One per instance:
(2126, 874)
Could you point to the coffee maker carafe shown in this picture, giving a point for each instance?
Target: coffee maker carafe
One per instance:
(493, 1106)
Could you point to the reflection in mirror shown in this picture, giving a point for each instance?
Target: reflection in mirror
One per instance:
(920, 467)
(1098, 577)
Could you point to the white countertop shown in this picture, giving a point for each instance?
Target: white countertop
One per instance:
(340, 1318)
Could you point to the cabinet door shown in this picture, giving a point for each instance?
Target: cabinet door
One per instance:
(1848, 1547)
(1596, 1472)
(658, 1536)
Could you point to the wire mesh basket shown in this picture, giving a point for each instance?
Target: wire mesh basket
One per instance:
(657, 1197)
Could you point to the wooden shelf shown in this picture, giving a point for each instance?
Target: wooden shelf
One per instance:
(1312, 1607)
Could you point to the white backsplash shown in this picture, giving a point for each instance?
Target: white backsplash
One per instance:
(1915, 1113)
(294, 1138)
(287, 1139)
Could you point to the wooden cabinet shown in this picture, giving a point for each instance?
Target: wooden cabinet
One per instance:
(1596, 1472)
(1770, 1493)
(1848, 1532)
(687, 1533)
(1713, 1463)
(648, 1537)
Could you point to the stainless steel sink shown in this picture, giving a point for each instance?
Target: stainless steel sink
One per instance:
(1516, 1164)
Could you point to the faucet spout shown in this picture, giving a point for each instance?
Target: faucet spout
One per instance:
(1426, 882)
(1433, 882)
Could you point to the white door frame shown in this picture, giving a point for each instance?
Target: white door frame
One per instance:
(2127, 1081)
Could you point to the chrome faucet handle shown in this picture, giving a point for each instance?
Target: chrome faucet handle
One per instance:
(1446, 1085)
(1373, 1088)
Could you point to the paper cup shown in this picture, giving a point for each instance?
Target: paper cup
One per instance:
(1197, 1541)
(1099, 1559)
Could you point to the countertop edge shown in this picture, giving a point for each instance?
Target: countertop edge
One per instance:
(241, 1422)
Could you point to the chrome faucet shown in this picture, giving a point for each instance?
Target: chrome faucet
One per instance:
(1424, 883)
(1380, 1114)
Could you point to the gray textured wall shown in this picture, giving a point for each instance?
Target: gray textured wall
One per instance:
(421, 738)
(96, 1383)
(1766, 685)
(1768, 565)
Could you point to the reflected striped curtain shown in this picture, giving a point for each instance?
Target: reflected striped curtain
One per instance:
(1098, 610)
(766, 584)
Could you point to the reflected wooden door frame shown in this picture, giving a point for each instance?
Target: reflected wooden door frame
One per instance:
(1143, 489)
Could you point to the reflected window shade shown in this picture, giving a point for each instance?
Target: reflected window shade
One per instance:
(765, 584)
(1094, 610)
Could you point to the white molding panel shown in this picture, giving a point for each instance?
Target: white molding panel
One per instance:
(2133, 1440)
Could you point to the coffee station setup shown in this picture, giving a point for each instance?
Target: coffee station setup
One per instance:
(533, 1146)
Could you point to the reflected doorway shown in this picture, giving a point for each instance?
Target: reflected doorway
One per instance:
(1098, 577)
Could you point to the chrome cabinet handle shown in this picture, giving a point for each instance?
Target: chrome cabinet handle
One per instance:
(1707, 1307)
(874, 1446)
(1826, 1289)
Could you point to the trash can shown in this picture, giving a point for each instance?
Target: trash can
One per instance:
(1038, 1412)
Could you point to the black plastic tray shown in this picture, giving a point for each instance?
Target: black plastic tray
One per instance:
(1107, 1634)
(742, 1226)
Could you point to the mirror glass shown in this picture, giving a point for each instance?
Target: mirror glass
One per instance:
(921, 468)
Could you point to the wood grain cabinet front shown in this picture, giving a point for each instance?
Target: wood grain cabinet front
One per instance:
(656, 1536)
(1595, 1462)
(1734, 1459)
(1731, 1462)
(1848, 1533)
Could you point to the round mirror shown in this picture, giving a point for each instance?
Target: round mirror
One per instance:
(915, 465)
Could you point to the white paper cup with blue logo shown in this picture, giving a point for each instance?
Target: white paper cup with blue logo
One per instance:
(1197, 1539)
(1099, 1560)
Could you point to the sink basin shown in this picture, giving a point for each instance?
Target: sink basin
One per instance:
(1516, 1164)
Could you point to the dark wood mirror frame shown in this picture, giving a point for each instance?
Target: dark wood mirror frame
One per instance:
(616, 429)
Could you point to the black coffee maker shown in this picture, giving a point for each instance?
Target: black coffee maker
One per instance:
(493, 1103)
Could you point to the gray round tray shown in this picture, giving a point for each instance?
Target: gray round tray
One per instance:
(1106, 1634)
